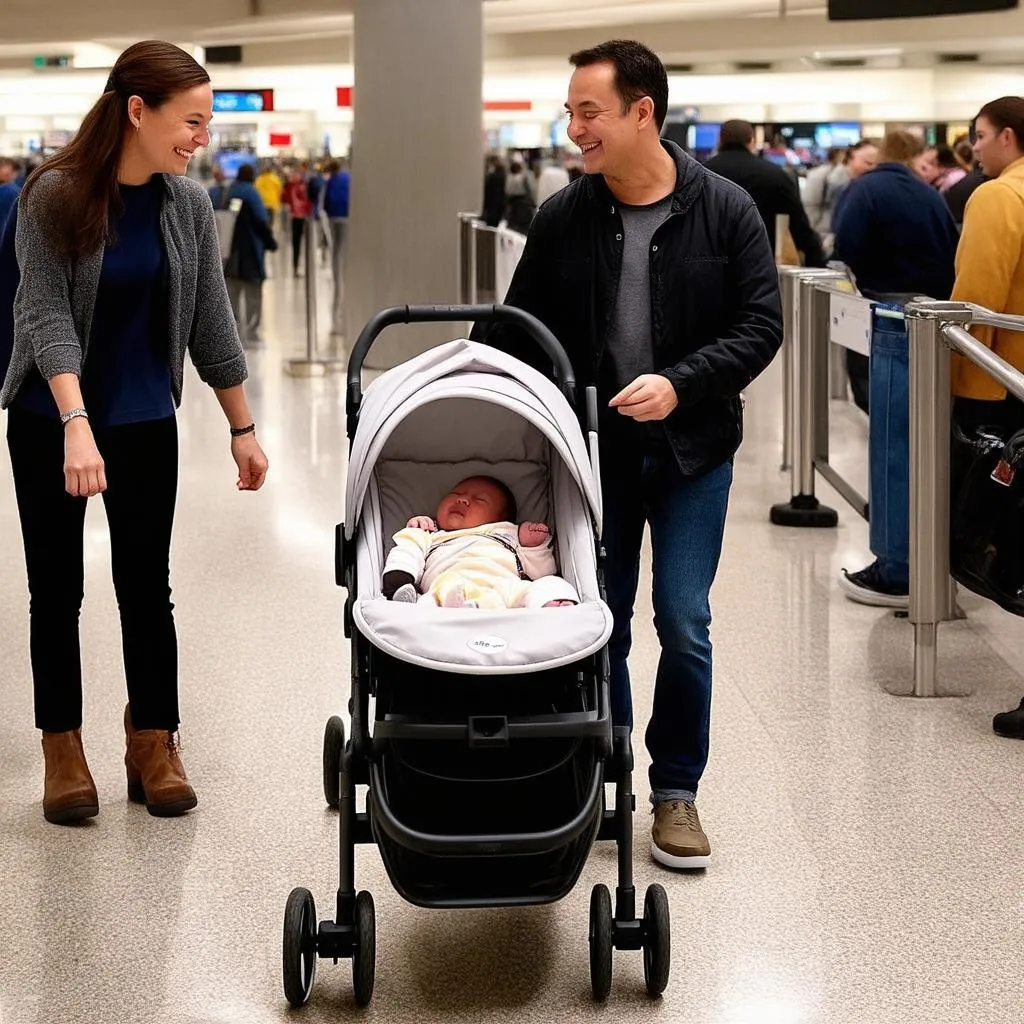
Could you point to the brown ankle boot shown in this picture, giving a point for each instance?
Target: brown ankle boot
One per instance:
(69, 794)
(156, 776)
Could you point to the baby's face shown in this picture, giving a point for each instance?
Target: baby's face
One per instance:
(473, 502)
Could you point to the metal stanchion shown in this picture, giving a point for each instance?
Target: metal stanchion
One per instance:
(837, 375)
(808, 374)
(932, 594)
(312, 365)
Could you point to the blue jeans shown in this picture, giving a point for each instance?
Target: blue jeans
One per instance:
(687, 520)
(889, 449)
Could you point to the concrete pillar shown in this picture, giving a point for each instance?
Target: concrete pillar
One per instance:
(417, 160)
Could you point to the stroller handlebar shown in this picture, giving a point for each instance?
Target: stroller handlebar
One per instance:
(452, 314)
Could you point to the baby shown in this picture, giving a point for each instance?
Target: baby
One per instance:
(474, 556)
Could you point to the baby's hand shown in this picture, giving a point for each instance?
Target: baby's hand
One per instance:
(532, 535)
(422, 523)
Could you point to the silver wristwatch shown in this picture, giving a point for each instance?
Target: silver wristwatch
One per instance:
(67, 417)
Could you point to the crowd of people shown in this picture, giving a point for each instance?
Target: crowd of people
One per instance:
(296, 197)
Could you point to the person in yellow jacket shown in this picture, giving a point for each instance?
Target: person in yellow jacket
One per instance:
(269, 185)
(474, 556)
(990, 260)
(990, 272)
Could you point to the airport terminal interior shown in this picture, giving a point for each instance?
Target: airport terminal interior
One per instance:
(865, 832)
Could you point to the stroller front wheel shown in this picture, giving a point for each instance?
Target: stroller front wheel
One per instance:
(601, 942)
(657, 940)
(365, 952)
(299, 959)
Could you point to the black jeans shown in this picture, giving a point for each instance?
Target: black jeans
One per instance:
(141, 462)
(298, 234)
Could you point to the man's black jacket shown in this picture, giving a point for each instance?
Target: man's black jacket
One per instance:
(715, 314)
(775, 192)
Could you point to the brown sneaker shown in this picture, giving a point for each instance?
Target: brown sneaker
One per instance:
(69, 794)
(156, 776)
(677, 840)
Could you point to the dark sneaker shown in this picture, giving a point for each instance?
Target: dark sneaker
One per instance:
(869, 587)
(1010, 723)
(677, 840)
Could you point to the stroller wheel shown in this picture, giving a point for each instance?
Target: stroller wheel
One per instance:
(601, 942)
(334, 747)
(365, 952)
(299, 946)
(657, 940)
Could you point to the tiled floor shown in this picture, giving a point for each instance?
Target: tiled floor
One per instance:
(867, 863)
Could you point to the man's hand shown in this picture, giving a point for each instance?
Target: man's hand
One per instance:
(532, 535)
(422, 523)
(649, 397)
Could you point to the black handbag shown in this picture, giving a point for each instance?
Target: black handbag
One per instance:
(987, 514)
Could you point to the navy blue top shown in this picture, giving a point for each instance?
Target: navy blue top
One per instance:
(8, 198)
(336, 195)
(896, 234)
(127, 376)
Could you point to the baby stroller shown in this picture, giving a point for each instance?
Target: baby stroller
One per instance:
(491, 737)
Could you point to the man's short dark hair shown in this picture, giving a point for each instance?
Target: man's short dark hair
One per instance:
(246, 173)
(638, 73)
(736, 133)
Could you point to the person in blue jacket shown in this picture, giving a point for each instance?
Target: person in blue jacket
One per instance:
(336, 207)
(898, 237)
(245, 268)
(9, 188)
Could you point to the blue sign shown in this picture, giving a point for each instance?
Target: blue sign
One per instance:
(233, 102)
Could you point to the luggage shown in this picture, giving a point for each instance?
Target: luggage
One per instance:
(987, 514)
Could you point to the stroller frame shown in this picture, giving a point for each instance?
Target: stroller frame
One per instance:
(351, 934)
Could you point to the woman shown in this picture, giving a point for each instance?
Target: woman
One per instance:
(245, 268)
(897, 236)
(990, 272)
(861, 158)
(120, 273)
(940, 167)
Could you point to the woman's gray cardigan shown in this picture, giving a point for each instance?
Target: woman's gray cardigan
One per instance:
(53, 308)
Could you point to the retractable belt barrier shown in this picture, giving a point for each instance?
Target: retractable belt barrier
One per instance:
(819, 314)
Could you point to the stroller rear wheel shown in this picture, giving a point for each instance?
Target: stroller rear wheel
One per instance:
(364, 954)
(657, 940)
(334, 748)
(601, 939)
(299, 957)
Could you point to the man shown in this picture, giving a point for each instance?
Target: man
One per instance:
(769, 186)
(658, 279)
(9, 188)
(494, 192)
(336, 194)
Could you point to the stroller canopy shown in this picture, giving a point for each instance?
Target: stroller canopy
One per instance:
(465, 369)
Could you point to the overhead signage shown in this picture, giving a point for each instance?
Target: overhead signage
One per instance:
(242, 101)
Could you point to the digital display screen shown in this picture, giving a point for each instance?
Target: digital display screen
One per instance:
(705, 136)
(230, 160)
(837, 135)
(248, 101)
(858, 10)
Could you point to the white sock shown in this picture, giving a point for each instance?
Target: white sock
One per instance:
(406, 593)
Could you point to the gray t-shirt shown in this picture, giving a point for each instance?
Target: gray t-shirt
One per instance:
(629, 340)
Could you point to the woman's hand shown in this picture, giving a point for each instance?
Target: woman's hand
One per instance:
(252, 463)
(84, 474)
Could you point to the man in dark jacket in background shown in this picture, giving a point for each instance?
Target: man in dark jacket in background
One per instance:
(769, 186)
(658, 280)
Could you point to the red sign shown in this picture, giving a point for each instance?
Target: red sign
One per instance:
(280, 138)
(508, 105)
(345, 95)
